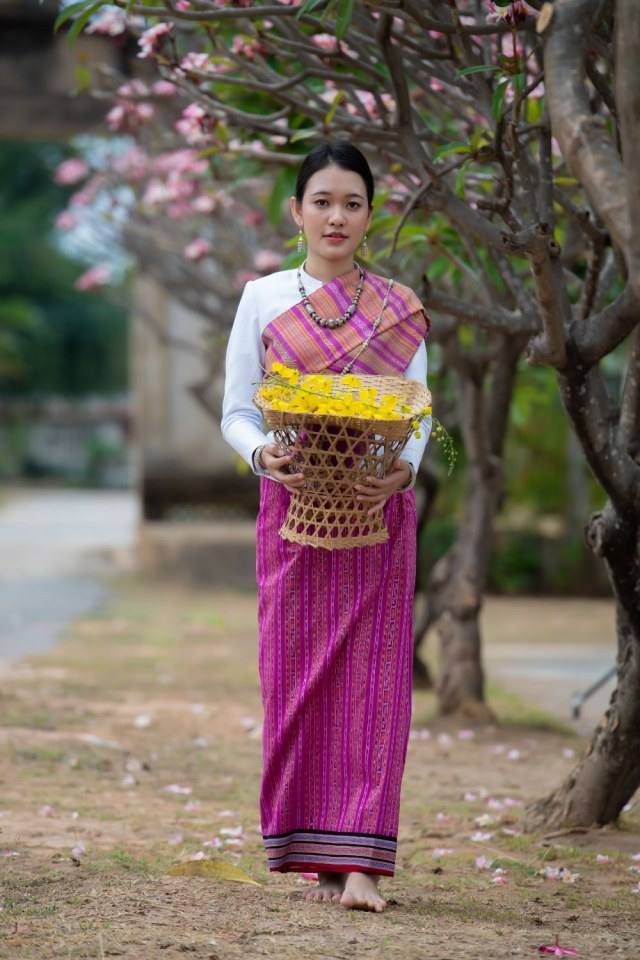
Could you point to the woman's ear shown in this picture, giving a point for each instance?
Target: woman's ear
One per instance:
(296, 211)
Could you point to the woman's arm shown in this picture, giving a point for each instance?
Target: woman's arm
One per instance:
(414, 450)
(241, 423)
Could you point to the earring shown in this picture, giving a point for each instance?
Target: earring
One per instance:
(301, 243)
(364, 247)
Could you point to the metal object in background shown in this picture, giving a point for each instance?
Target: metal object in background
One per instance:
(578, 699)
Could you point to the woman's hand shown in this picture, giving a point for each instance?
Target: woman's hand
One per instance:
(275, 460)
(377, 492)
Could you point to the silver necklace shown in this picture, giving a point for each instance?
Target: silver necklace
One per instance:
(375, 326)
(331, 322)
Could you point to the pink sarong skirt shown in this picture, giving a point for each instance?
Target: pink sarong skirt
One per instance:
(335, 664)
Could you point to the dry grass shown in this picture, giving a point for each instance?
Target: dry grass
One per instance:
(76, 770)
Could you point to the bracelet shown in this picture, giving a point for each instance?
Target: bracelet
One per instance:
(257, 459)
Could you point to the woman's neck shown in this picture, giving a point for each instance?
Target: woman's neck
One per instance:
(326, 270)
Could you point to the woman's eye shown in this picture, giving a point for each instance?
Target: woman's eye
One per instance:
(354, 204)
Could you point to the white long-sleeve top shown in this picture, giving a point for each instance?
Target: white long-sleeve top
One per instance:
(261, 302)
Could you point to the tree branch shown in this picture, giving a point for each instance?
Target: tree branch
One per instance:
(595, 337)
(628, 99)
(583, 137)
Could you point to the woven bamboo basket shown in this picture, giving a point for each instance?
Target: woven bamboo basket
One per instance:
(336, 452)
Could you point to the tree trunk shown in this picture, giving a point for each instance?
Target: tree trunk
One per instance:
(428, 486)
(608, 775)
(458, 580)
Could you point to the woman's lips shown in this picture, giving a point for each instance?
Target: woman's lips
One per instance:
(334, 238)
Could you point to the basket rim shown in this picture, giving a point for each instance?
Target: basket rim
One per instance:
(423, 394)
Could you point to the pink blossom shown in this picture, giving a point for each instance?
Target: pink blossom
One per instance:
(557, 951)
(133, 88)
(66, 220)
(179, 209)
(483, 863)
(602, 858)
(176, 788)
(97, 276)
(151, 38)
(197, 249)
(127, 116)
(132, 165)
(111, 23)
(156, 192)
(436, 85)
(163, 88)
(244, 276)
(195, 124)
(246, 46)
(514, 12)
(46, 810)
(480, 837)
(253, 217)
(71, 171)
(179, 161)
(205, 203)
(326, 42)
(183, 6)
(199, 62)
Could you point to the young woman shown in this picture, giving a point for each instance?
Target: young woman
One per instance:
(335, 626)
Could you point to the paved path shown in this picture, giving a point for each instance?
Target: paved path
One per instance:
(56, 548)
(546, 650)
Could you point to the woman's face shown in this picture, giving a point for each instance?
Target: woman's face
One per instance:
(334, 213)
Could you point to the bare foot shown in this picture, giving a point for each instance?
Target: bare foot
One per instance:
(329, 888)
(361, 893)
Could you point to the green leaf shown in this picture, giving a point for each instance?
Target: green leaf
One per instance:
(83, 78)
(79, 24)
(498, 98)
(69, 12)
(284, 186)
(449, 148)
(213, 870)
(303, 135)
(437, 269)
(309, 6)
(343, 17)
(518, 83)
(337, 100)
(460, 175)
(478, 68)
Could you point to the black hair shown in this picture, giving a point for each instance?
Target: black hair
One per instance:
(344, 155)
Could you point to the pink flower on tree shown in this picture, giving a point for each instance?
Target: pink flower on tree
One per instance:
(164, 88)
(66, 220)
(197, 249)
(511, 11)
(246, 46)
(133, 88)
(151, 38)
(267, 260)
(127, 116)
(94, 277)
(198, 62)
(110, 23)
(132, 165)
(195, 124)
(71, 171)
(326, 41)
(179, 161)
(183, 6)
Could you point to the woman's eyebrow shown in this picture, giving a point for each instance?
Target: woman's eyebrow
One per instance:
(317, 193)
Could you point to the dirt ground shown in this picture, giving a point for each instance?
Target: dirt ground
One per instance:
(134, 746)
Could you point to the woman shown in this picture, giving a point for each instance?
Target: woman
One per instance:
(335, 626)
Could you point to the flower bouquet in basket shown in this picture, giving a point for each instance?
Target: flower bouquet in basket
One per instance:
(340, 429)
